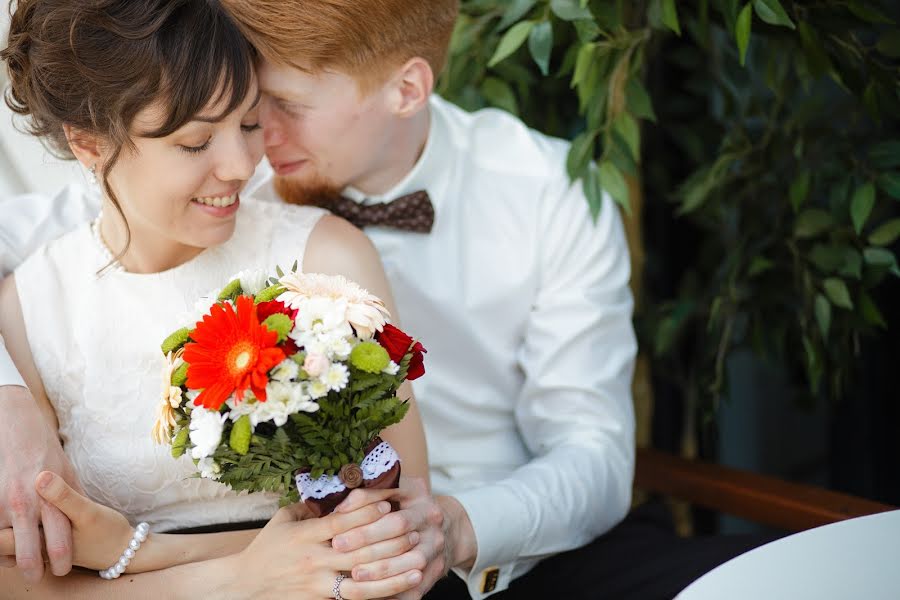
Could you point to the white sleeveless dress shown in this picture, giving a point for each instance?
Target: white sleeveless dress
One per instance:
(96, 342)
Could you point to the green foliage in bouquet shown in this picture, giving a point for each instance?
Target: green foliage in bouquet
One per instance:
(770, 129)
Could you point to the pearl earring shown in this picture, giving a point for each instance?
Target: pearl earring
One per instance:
(93, 175)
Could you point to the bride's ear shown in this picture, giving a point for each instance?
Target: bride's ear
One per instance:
(85, 146)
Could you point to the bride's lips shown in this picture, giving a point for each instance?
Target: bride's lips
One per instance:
(227, 205)
(286, 168)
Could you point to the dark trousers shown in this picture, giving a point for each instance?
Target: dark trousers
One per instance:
(640, 559)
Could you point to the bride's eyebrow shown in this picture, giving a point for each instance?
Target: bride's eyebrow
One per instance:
(220, 118)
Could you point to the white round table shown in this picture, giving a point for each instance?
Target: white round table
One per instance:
(854, 559)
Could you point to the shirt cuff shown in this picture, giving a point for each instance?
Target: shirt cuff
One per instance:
(501, 524)
(9, 375)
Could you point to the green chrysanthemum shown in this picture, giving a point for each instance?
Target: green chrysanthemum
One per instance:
(175, 341)
(281, 324)
(370, 357)
(240, 435)
(231, 291)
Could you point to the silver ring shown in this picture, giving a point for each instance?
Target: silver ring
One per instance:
(336, 588)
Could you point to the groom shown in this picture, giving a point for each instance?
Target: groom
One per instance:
(495, 261)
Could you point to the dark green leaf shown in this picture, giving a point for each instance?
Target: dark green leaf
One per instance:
(500, 94)
(861, 205)
(816, 57)
(889, 43)
(772, 13)
(886, 233)
(890, 184)
(540, 43)
(823, 315)
(582, 63)
(570, 10)
(885, 155)
(812, 222)
(511, 41)
(670, 16)
(837, 292)
(515, 11)
(880, 257)
(799, 190)
(580, 154)
(869, 311)
(866, 12)
(638, 100)
(593, 191)
(613, 182)
(742, 31)
(628, 128)
(758, 265)
(852, 263)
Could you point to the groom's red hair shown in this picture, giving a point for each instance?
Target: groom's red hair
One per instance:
(363, 38)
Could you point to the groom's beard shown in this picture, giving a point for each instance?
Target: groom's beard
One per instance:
(318, 192)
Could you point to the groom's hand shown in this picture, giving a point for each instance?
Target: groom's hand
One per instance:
(27, 447)
(445, 536)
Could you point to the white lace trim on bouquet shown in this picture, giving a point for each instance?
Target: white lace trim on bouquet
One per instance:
(380, 460)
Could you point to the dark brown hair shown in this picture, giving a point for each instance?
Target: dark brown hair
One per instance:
(95, 64)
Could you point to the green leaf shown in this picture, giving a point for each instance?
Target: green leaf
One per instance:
(823, 315)
(869, 311)
(758, 265)
(593, 191)
(812, 222)
(179, 442)
(799, 190)
(837, 292)
(889, 43)
(515, 11)
(500, 94)
(861, 205)
(638, 100)
(867, 12)
(885, 155)
(670, 16)
(570, 10)
(614, 182)
(880, 257)
(241, 431)
(511, 41)
(628, 128)
(890, 184)
(582, 63)
(816, 57)
(742, 31)
(772, 13)
(540, 43)
(886, 233)
(580, 154)
(179, 375)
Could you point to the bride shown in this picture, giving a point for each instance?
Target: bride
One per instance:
(158, 100)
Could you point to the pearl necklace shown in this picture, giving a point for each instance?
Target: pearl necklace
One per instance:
(112, 261)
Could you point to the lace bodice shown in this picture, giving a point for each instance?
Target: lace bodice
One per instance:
(95, 343)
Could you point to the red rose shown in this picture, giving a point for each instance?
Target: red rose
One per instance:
(398, 344)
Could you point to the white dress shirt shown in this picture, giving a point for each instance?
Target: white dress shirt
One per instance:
(523, 304)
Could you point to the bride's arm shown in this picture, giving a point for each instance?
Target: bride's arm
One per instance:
(336, 247)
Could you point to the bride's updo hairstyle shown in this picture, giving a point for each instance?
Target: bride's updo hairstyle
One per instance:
(95, 64)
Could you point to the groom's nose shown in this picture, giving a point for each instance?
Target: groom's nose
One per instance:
(273, 132)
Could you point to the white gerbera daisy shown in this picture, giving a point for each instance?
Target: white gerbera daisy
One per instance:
(364, 311)
(253, 281)
(171, 399)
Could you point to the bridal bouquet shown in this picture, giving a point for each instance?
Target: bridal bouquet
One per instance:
(284, 385)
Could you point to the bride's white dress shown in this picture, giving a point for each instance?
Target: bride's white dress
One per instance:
(96, 345)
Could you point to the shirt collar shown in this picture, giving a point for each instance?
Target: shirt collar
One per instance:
(425, 174)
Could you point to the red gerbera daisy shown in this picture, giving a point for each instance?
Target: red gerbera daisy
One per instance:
(231, 352)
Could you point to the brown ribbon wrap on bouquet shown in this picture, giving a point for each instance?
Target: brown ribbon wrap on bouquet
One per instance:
(379, 469)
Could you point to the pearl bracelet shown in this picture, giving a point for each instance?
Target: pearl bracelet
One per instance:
(140, 536)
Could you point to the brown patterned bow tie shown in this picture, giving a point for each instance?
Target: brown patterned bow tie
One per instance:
(412, 212)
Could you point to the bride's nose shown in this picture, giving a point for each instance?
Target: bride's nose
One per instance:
(236, 161)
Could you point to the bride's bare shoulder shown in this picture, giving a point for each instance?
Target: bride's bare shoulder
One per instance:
(335, 246)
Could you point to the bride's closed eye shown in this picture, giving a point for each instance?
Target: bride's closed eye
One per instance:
(205, 145)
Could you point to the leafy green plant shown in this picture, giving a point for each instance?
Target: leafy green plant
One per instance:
(774, 130)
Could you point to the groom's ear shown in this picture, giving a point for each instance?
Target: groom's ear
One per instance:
(85, 146)
(412, 84)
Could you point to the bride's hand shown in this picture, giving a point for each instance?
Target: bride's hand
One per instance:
(296, 557)
(99, 533)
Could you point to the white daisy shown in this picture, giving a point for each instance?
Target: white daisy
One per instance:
(337, 377)
(205, 431)
(285, 370)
